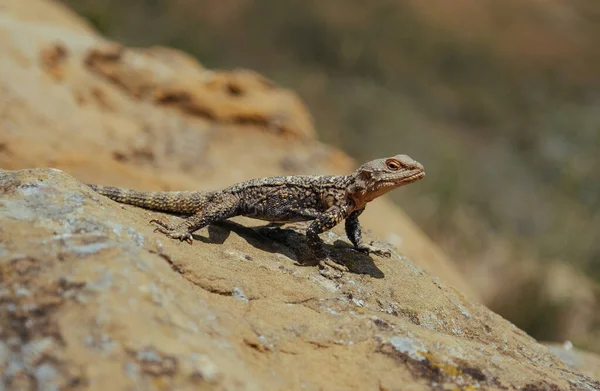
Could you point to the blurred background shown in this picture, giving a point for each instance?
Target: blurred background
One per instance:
(500, 100)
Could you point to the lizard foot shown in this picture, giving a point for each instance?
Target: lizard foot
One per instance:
(330, 269)
(370, 249)
(166, 229)
(160, 223)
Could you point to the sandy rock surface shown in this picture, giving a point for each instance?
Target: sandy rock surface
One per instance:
(91, 298)
(586, 362)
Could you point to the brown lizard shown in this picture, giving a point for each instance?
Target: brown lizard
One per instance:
(326, 200)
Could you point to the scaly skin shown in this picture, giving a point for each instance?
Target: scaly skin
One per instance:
(324, 200)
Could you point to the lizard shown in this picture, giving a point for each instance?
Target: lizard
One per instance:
(326, 200)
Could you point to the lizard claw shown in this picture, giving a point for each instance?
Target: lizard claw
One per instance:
(370, 249)
(182, 236)
(331, 269)
(159, 223)
(382, 252)
(164, 228)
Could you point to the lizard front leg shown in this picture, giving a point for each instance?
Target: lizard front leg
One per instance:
(324, 222)
(217, 210)
(354, 234)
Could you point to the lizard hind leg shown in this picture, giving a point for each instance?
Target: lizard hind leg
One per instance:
(218, 209)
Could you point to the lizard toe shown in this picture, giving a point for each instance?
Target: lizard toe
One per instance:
(187, 238)
(382, 252)
(370, 249)
(162, 230)
(182, 236)
(329, 263)
(159, 223)
(330, 273)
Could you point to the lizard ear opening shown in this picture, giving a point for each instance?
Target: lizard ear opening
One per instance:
(366, 174)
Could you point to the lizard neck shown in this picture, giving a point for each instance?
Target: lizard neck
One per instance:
(356, 190)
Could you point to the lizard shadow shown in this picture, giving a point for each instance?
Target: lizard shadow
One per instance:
(291, 244)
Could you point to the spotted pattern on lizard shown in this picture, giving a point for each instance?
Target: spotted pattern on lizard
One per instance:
(326, 200)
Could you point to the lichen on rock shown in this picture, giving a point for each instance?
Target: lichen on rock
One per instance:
(92, 298)
(87, 303)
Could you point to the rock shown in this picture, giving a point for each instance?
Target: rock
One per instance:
(237, 97)
(91, 298)
(45, 12)
(156, 119)
(585, 362)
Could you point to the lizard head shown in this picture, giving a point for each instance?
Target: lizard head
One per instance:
(380, 176)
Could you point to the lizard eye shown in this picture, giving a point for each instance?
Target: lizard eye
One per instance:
(393, 164)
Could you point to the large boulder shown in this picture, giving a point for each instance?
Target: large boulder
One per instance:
(92, 299)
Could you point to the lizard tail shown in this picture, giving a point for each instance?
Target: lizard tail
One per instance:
(180, 202)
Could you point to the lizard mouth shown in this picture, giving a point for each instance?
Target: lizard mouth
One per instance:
(415, 176)
(392, 183)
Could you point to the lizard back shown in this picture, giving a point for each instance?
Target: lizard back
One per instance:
(289, 199)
